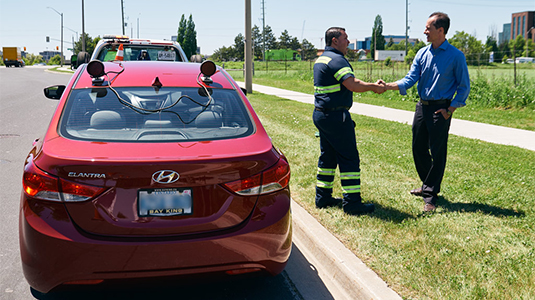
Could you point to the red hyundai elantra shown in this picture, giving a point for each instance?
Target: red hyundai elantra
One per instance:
(152, 169)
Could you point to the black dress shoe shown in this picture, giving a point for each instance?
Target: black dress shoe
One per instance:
(328, 203)
(417, 192)
(358, 208)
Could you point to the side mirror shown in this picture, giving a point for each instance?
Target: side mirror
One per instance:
(54, 92)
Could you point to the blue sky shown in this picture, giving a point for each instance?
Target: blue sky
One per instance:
(26, 23)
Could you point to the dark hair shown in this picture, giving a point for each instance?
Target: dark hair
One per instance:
(333, 32)
(441, 21)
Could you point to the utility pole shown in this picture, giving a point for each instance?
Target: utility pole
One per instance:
(406, 27)
(248, 48)
(264, 33)
(83, 28)
(138, 25)
(122, 14)
(61, 15)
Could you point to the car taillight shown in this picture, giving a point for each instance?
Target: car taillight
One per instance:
(41, 185)
(274, 179)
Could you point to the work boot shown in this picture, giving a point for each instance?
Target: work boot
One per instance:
(329, 202)
(358, 208)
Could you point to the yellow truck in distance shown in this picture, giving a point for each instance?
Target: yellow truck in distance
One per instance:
(12, 57)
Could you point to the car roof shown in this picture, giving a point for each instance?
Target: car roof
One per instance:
(127, 40)
(143, 73)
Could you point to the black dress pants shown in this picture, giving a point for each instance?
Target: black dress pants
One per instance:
(429, 147)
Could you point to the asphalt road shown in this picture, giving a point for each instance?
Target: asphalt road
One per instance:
(24, 115)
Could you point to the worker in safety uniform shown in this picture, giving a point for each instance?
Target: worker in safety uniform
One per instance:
(334, 84)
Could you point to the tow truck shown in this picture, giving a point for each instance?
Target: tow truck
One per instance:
(138, 49)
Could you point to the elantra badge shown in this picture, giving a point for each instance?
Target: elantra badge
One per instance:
(165, 176)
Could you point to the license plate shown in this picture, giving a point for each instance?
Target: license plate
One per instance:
(166, 55)
(164, 202)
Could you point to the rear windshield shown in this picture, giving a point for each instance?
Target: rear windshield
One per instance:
(147, 115)
(140, 52)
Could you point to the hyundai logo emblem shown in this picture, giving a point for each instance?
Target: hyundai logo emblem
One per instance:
(165, 176)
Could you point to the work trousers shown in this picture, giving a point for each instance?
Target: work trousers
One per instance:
(338, 147)
(429, 147)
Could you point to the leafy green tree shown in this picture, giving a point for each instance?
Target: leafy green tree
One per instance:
(351, 55)
(187, 36)
(473, 50)
(181, 33)
(378, 40)
(239, 47)
(399, 47)
(409, 58)
(308, 50)
(56, 60)
(90, 44)
(504, 50)
(258, 46)
(491, 45)
(530, 48)
(190, 40)
(223, 54)
(418, 46)
(391, 42)
(285, 40)
(271, 40)
(517, 45)
(32, 59)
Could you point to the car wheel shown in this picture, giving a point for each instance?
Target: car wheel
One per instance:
(83, 57)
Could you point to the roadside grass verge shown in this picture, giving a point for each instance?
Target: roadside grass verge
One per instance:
(60, 70)
(479, 244)
(493, 100)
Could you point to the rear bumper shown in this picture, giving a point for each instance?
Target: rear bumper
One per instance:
(54, 251)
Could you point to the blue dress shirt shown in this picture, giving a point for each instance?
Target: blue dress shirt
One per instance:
(441, 74)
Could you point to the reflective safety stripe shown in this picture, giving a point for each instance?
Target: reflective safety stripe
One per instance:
(350, 175)
(351, 189)
(324, 184)
(327, 89)
(342, 72)
(323, 60)
(323, 171)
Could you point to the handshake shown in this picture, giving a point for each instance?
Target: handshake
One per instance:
(379, 87)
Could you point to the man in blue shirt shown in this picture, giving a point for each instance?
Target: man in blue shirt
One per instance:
(443, 86)
(334, 84)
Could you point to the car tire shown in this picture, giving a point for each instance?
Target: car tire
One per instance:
(83, 57)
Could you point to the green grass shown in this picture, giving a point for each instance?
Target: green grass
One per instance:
(493, 100)
(478, 245)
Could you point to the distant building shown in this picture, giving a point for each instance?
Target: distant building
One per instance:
(47, 55)
(523, 23)
(505, 35)
(353, 45)
(367, 43)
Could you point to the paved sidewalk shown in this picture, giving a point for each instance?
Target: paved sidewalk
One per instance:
(485, 132)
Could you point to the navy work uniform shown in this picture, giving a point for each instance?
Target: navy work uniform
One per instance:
(338, 144)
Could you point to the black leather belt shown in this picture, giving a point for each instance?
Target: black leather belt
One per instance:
(338, 108)
(435, 102)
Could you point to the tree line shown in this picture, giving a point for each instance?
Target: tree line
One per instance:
(236, 51)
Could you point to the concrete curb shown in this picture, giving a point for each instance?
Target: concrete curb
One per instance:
(344, 274)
